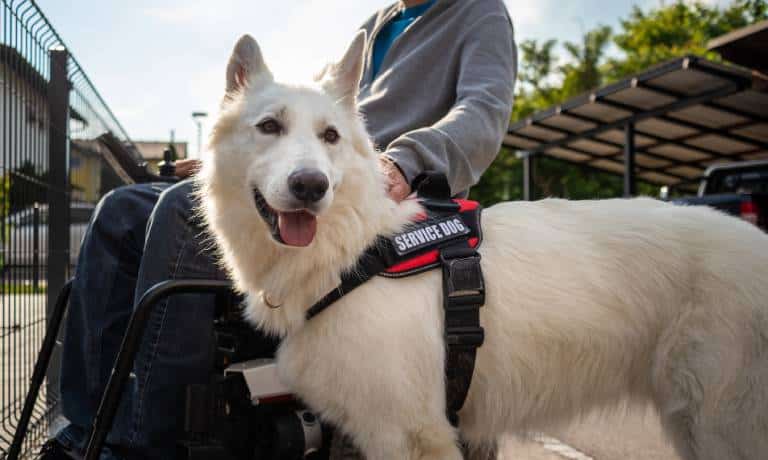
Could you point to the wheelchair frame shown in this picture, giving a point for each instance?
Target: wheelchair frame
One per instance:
(285, 429)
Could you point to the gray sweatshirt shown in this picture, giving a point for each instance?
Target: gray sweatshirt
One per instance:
(443, 95)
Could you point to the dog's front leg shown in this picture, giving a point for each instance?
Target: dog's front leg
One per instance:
(485, 452)
(372, 365)
(389, 417)
(394, 443)
(342, 448)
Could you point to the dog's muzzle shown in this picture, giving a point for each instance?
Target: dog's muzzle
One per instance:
(291, 228)
(308, 185)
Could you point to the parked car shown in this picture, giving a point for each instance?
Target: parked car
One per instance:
(20, 230)
(740, 189)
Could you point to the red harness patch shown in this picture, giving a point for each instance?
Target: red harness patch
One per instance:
(427, 258)
(445, 236)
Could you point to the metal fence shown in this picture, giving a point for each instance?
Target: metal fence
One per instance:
(52, 172)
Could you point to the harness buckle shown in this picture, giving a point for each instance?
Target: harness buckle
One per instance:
(463, 295)
(465, 336)
(463, 281)
(465, 300)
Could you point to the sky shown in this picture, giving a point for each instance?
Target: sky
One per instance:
(156, 62)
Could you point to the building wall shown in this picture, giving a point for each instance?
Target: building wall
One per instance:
(23, 123)
(85, 176)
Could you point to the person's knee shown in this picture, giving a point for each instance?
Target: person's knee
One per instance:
(177, 198)
(113, 207)
(174, 207)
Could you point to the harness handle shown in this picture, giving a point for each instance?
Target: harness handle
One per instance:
(432, 185)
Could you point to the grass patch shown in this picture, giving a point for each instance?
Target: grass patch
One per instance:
(22, 288)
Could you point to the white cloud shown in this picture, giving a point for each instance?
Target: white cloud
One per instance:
(178, 15)
(157, 61)
(194, 12)
(316, 32)
(296, 40)
(526, 12)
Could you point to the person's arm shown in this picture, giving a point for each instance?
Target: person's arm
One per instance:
(466, 140)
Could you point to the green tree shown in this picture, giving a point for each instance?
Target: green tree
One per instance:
(542, 84)
(535, 88)
(502, 181)
(538, 62)
(650, 37)
(583, 72)
(645, 38)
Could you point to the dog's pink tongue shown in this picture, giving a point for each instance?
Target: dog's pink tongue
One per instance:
(297, 228)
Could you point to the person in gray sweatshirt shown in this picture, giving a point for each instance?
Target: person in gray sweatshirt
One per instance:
(439, 96)
(436, 95)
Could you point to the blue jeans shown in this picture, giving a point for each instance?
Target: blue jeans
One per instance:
(139, 235)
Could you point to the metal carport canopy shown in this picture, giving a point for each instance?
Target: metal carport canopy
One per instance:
(670, 122)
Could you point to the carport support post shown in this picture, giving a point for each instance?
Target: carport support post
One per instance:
(630, 180)
(528, 176)
(58, 191)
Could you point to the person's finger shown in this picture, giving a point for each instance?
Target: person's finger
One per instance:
(396, 186)
(399, 191)
(187, 167)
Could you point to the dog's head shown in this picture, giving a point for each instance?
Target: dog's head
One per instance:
(291, 150)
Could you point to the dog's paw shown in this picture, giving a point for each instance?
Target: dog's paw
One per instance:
(451, 452)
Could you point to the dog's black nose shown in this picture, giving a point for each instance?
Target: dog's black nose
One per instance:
(308, 185)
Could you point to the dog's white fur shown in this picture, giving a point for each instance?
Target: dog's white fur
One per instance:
(589, 304)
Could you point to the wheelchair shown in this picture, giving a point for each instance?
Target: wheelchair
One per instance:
(242, 413)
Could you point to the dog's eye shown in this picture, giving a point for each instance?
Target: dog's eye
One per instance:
(331, 136)
(270, 126)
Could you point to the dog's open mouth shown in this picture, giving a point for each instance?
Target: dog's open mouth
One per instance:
(292, 228)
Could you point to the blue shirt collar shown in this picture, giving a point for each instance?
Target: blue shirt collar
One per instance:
(415, 11)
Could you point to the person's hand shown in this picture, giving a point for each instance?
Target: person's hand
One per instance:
(397, 186)
(187, 167)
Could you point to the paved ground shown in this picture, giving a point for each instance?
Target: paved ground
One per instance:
(635, 436)
(22, 327)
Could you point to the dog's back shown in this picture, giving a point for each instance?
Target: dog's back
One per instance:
(591, 303)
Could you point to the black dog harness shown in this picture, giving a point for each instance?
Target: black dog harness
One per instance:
(446, 236)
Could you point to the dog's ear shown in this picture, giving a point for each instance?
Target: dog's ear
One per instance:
(341, 80)
(246, 65)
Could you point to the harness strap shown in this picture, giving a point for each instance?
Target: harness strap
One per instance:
(463, 295)
(369, 265)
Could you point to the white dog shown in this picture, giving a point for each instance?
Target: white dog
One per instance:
(589, 304)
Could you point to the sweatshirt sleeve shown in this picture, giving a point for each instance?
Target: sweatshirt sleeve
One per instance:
(465, 141)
